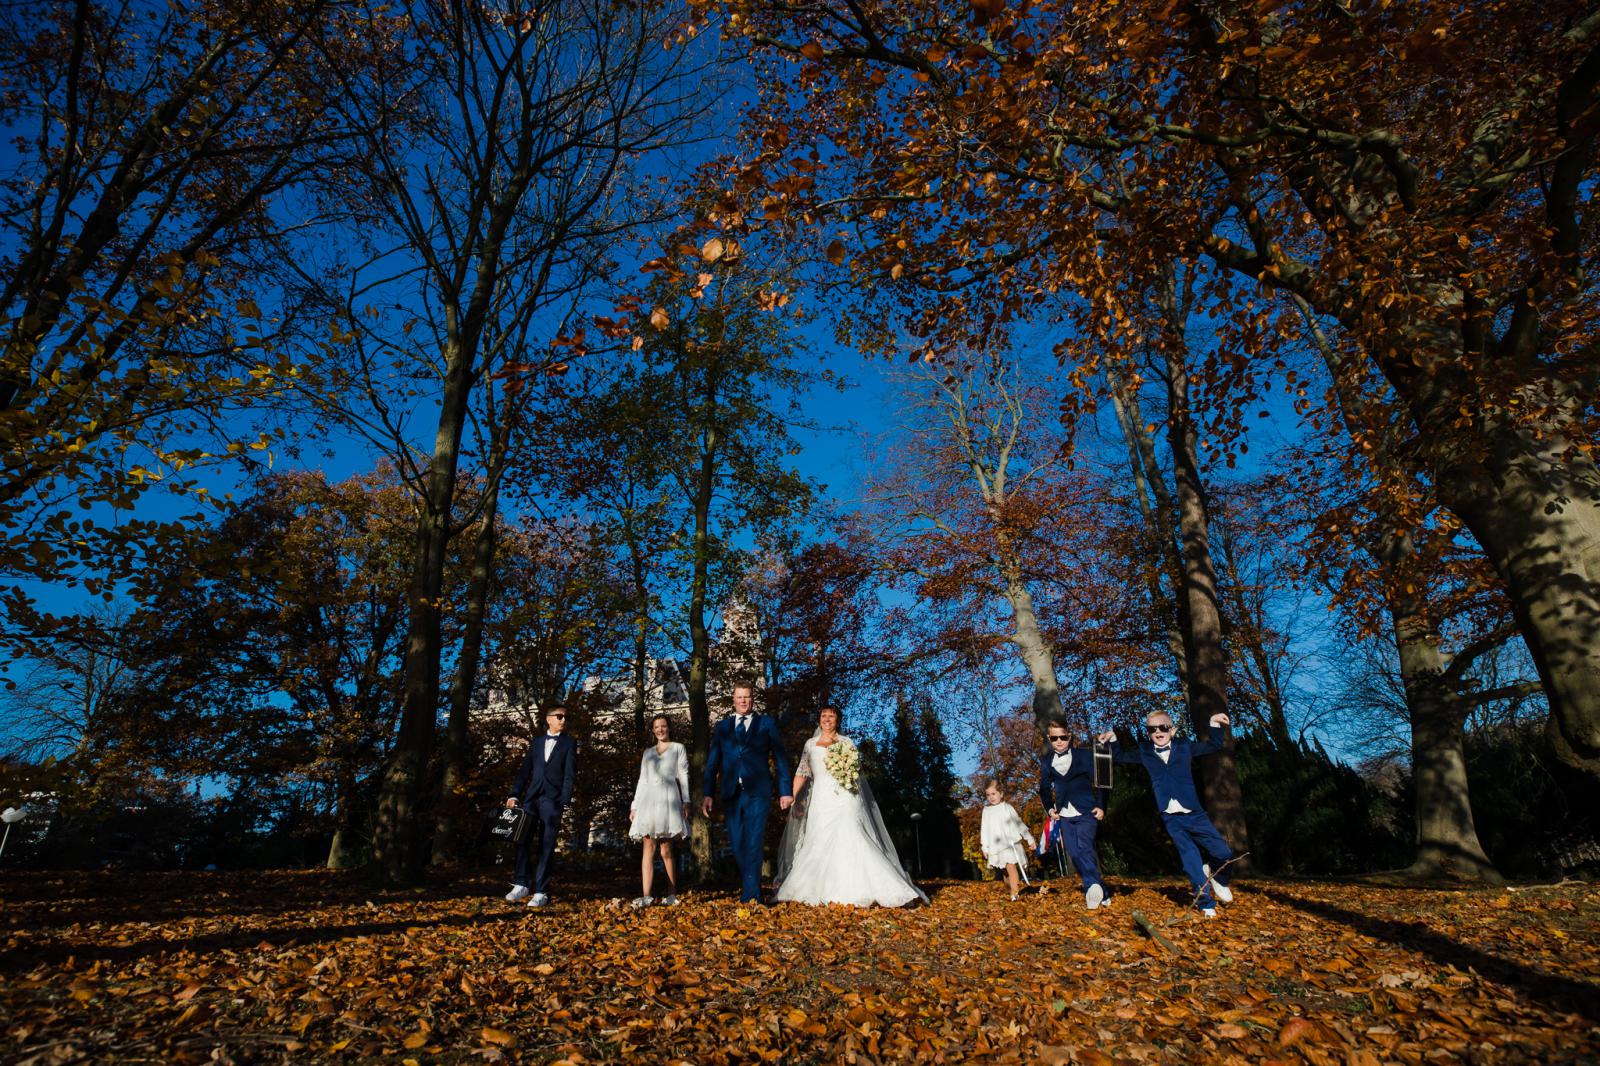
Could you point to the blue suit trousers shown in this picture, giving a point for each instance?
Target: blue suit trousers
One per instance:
(546, 814)
(1194, 833)
(747, 832)
(1077, 834)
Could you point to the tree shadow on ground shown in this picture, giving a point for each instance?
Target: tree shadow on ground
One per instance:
(1560, 993)
(25, 958)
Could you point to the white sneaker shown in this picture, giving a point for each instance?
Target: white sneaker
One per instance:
(539, 899)
(669, 901)
(641, 903)
(1210, 912)
(517, 894)
(1223, 893)
(1092, 898)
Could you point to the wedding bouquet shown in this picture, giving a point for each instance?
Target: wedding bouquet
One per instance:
(844, 763)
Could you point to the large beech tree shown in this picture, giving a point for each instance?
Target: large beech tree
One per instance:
(496, 143)
(154, 156)
(1417, 173)
(979, 513)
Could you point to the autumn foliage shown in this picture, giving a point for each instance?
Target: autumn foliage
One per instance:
(301, 967)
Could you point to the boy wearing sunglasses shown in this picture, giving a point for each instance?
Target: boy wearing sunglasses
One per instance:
(1167, 759)
(1066, 788)
(543, 788)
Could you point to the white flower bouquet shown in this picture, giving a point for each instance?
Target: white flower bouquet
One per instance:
(844, 763)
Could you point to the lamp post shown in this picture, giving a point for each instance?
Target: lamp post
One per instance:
(12, 814)
(916, 829)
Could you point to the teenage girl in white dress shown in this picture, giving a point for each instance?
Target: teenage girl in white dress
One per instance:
(660, 810)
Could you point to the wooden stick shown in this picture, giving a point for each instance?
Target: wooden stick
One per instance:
(1150, 930)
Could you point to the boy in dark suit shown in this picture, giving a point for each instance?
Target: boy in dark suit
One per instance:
(1167, 758)
(543, 788)
(1066, 787)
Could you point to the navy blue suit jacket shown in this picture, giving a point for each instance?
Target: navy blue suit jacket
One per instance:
(553, 779)
(742, 760)
(1076, 787)
(1173, 779)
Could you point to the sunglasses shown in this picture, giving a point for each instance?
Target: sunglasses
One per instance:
(560, 716)
(1058, 736)
(1154, 729)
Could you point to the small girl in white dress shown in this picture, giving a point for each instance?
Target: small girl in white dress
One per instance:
(659, 813)
(1001, 835)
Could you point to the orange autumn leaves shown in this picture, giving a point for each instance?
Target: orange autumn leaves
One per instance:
(299, 967)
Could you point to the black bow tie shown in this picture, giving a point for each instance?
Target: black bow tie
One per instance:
(1164, 747)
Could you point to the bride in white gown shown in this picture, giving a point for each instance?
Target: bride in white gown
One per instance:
(835, 849)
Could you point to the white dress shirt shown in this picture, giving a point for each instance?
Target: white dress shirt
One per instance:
(1173, 806)
(1061, 764)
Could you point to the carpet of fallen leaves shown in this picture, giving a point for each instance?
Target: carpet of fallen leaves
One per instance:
(297, 967)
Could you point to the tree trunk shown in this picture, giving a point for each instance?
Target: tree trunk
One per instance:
(641, 637)
(453, 814)
(1447, 839)
(1535, 510)
(1202, 619)
(344, 853)
(700, 649)
(1157, 515)
(1031, 645)
(396, 843)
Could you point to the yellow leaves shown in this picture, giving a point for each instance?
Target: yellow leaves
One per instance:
(498, 1037)
(659, 318)
(713, 249)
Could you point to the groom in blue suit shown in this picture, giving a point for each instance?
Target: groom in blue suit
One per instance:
(736, 772)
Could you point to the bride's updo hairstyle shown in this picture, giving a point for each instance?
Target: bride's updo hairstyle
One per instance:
(838, 717)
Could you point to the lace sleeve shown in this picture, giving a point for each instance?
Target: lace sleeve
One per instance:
(680, 756)
(802, 768)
